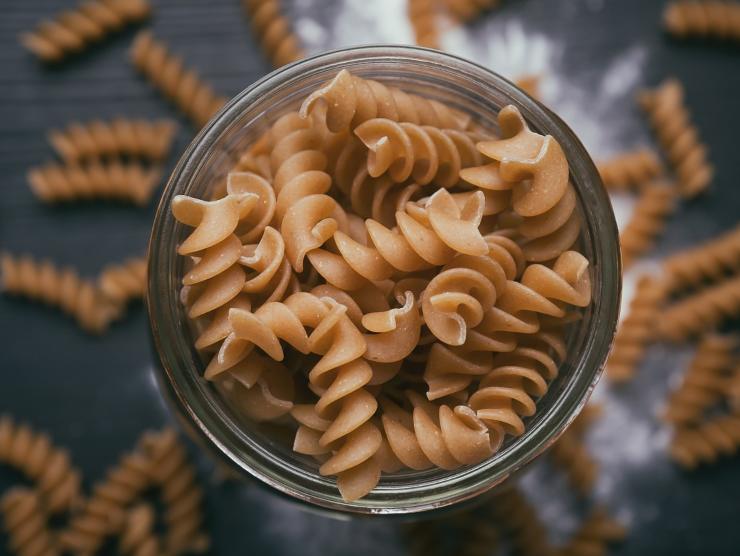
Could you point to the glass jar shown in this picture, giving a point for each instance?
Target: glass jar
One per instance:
(208, 159)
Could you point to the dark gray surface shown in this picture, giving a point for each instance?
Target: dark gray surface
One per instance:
(95, 395)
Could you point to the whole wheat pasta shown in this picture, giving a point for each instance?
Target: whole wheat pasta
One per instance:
(530, 84)
(423, 17)
(274, 32)
(32, 453)
(706, 262)
(130, 182)
(655, 204)
(594, 535)
(123, 282)
(72, 31)
(671, 122)
(702, 311)
(57, 287)
(733, 389)
(521, 523)
(468, 10)
(166, 71)
(137, 535)
(637, 330)
(705, 443)
(705, 382)
(703, 18)
(120, 136)
(25, 522)
(572, 456)
(630, 170)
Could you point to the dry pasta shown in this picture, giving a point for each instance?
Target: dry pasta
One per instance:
(130, 182)
(521, 522)
(733, 389)
(655, 204)
(167, 72)
(137, 535)
(530, 84)
(571, 454)
(274, 32)
(594, 534)
(123, 282)
(120, 136)
(424, 21)
(630, 170)
(72, 31)
(468, 10)
(679, 138)
(57, 287)
(705, 443)
(703, 18)
(25, 522)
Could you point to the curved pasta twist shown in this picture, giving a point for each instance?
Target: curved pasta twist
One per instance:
(637, 329)
(733, 389)
(570, 454)
(468, 10)
(530, 84)
(273, 31)
(62, 288)
(656, 203)
(423, 18)
(120, 136)
(194, 97)
(350, 100)
(114, 180)
(630, 170)
(702, 311)
(123, 282)
(522, 523)
(709, 261)
(705, 443)
(73, 30)
(689, 18)
(32, 453)
(679, 138)
(25, 522)
(705, 381)
(137, 535)
(594, 534)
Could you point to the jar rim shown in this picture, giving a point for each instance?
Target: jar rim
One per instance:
(203, 416)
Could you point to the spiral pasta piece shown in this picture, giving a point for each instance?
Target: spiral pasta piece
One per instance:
(468, 10)
(114, 180)
(423, 18)
(123, 282)
(522, 523)
(702, 311)
(32, 453)
(277, 39)
(679, 138)
(62, 288)
(656, 203)
(571, 454)
(72, 31)
(25, 522)
(705, 18)
(709, 261)
(630, 170)
(637, 329)
(705, 443)
(120, 136)
(137, 536)
(705, 381)
(195, 98)
(594, 534)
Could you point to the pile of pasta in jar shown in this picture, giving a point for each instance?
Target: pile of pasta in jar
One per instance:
(386, 281)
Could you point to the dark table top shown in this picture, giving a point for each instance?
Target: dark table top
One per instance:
(96, 395)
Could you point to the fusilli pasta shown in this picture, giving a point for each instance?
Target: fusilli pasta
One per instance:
(571, 454)
(25, 521)
(521, 523)
(703, 18)
(273, 31)
(630, 170)
(424, 21)
(656, 203)
(706, 442)
(123, 282)
(137, 535)
(468, 10)
(593, 535)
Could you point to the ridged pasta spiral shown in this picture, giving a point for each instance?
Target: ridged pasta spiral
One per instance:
(679, 138)
(278, 40)
(705, 443)
(120, 136)
(630, 170)
(709, 261)
(530, 84)
(702, 311)
(594, 534)
(703, 18)
(468, 10)
(637, 330)
(137, 536)
(113, 180)
(73, 30)
(193, 96)
(571, 455)
(655, 204)
(733, 389)
(123, 282)
(62, 288)
(25, 521)
(705, 381)
(521, 522)
(423, 17)
(33, 454)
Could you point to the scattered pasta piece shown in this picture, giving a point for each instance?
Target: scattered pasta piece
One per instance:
(594, 535)
(671, 122)
(630, 170)
(703, 18)
(138, 537)
(733, 389)
(521, 522)
(72, 31)
(25, 521)
(570, 453)
(277, 39)
(468, 10)
(705, 443)
(425, 22)
(655, 204)
(123, 282)
(530, 84)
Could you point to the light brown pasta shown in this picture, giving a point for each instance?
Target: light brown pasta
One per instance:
(630, 170)
(423, 17)
(468, 10)
(32, 453)
(733, 389)
(166, 71)
(705, 443)
(137, 535)
(594, 535)
(703, 18)
(530, 84)
(57, 287)
(120, 136)
(655, 204)
(705, 382)
(702, 311)
(121, 283)
(637, 330)
(129, 182)
(521, 523)
(707, 262)
(277, 39)
(25, 522)
(679, 138)
(571, 454)
(72, 31)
